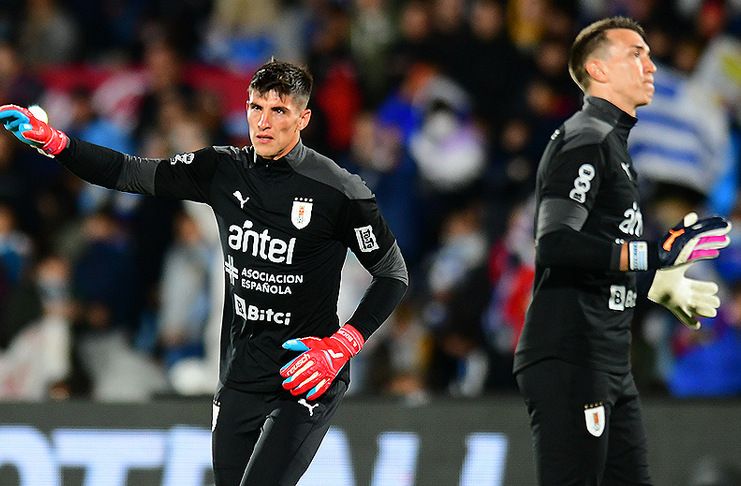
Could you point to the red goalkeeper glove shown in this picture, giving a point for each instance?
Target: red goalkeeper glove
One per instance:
(30, 130)
(315, 369)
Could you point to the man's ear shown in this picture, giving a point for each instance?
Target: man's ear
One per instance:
(303, 120)
(597, 70)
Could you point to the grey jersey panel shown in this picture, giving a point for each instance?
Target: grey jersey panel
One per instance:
(231, 151)
(137, 175)
(311, 164)
(554, 213)
(392, 265)
(583, 129)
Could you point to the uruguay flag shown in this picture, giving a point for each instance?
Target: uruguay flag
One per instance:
(682, 137)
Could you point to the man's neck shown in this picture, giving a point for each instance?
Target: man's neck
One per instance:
(625, 106)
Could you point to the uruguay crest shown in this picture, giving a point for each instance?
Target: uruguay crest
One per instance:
(301, 212)
(594, 415)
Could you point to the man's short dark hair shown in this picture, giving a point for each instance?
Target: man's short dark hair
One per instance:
(284, 78)
(591, 38)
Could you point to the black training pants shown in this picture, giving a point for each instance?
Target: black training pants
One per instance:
(586, 425)
(268, 439)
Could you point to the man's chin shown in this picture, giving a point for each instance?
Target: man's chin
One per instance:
(264, 152)
(646, 101)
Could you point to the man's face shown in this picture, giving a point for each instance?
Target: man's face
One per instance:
(275, 123)
(628, 67)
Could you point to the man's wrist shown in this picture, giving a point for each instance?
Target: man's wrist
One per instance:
(637, 256)
(640, 256)
(350, 338)
(57, 143)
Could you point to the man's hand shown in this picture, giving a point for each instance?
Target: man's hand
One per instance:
(689, 241)
(687, 298)
(32, 131)
(320, 361)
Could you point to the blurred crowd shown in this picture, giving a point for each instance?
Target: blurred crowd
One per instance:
(442, 106)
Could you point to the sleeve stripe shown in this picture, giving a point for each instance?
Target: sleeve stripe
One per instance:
(391, 265)
(137, 175)
(555, 213)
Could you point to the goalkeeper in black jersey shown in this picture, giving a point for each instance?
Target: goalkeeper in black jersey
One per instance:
(286, 216)
(572, 361)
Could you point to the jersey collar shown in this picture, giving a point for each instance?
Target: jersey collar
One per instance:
(603, 109)
(296, 155)
(291, 159)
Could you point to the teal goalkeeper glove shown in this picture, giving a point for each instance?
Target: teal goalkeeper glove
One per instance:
(687, 298)
(32, 131)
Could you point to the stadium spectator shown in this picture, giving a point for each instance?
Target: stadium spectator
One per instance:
(457, 293)
(15, 247)
(184, 293)
(16, 81)
(86, 123)
(47, 35)
(39, 315)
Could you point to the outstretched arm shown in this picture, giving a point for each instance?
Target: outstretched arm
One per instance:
(183, 176)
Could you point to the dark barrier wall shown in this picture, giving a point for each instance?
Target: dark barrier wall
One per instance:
(378, 443)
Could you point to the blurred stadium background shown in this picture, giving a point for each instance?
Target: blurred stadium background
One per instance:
(109, 303)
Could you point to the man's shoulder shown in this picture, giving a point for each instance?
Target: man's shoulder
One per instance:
(322, 169)
(583, 129)
(235, 153)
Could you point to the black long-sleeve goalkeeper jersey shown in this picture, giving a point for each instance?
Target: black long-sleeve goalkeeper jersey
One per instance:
(285, 227)
(587, 206)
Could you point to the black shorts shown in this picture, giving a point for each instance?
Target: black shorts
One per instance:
(268, 439)
(586, 425)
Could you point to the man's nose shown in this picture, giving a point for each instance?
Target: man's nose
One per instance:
(264, 120)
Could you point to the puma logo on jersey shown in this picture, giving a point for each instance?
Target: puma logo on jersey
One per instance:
(242, 200)
(309, 406)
